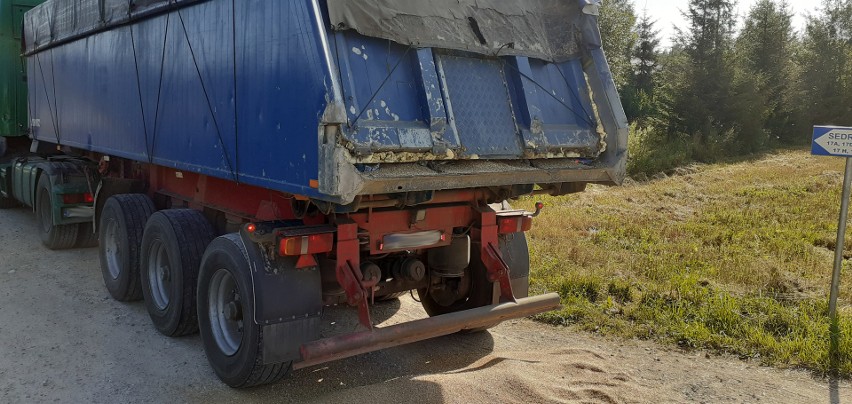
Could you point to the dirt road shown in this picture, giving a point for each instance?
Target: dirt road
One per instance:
(62, 339)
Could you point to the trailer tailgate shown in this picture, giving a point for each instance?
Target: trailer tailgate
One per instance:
(472, 93)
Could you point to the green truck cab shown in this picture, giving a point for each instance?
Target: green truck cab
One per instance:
(55, 186)
(13, 82)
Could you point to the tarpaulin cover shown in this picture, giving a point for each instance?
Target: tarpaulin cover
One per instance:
(552, 30)
(56, 21)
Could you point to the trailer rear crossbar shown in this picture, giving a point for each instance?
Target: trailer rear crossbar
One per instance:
(344, 346)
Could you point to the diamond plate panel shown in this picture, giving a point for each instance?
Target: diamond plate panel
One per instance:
(481, 106)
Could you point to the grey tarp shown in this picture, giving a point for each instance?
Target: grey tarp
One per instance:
(56, 21)
(553, 30)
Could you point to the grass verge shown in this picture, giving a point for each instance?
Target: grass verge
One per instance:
(732, 258)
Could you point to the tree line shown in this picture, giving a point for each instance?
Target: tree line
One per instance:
(725, 88)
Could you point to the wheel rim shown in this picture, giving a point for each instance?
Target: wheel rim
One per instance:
(44, 214)
(111, 248)
(159, 274)
(225, 311)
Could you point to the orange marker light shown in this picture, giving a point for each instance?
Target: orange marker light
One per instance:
(303, 245)
(516, 224)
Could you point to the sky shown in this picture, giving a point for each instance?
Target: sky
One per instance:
(668, 13)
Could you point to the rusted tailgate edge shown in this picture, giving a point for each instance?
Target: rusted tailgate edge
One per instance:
(381, 185)
(344, 346)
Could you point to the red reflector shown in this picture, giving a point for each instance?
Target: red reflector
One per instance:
(76, 199)
(251, 228)
(515, 224)
(302, 245)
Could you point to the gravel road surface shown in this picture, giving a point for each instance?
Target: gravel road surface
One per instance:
(62, 339)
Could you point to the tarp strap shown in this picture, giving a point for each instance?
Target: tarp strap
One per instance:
(207, 98)
(49, 104)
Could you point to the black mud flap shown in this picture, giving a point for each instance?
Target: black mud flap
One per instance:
(282, 342)
(287, 304)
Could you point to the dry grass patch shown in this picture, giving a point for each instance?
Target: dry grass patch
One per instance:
(736, 258)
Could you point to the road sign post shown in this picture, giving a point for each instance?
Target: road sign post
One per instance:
(841, 239)
(836, 141)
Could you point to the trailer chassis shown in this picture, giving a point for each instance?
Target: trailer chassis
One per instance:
(351, 255)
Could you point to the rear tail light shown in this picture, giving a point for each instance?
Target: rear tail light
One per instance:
(76, 199)
(303, 245)
(514, 224)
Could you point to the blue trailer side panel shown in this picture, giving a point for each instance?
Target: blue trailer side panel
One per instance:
(186, 110)
(271, 94)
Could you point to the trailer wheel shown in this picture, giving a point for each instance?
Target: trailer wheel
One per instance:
(172, 247)
(122, 224)
(54, 237)
(481, 291)
(232, 341)
(86, 236)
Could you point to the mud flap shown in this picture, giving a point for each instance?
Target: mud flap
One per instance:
(517, 255)
(287, 304)
(281, 342)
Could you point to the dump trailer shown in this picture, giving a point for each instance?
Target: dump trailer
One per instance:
(13, 81)
(245, 164)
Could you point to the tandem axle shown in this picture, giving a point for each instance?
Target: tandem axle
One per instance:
(252, 269)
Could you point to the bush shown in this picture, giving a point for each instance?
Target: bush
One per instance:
(651, 152)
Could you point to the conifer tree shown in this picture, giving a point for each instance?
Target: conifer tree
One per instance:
(826, 63)
(617, 18)
(764, 50)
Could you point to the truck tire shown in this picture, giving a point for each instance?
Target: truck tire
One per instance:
(515, 252)
(86, 236)
(54, 237)
(232, 341)
(172, 247)
(122, 224)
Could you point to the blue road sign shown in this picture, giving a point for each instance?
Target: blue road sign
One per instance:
(832, 141)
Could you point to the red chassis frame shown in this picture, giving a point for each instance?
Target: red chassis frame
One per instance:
(448, 210)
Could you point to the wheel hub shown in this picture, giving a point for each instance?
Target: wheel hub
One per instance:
(159, 274)
(111, 249)
(225, 312)
(233, 311)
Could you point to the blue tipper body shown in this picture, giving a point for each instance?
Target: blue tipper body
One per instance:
(267, 93)
(832, 141)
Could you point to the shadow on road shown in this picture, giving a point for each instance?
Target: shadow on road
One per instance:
(384, 376)
(833, 391)
(388, 375)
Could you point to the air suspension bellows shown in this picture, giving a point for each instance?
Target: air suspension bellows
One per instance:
(452, 260)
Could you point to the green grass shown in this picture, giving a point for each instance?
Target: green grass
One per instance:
(732, 258)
